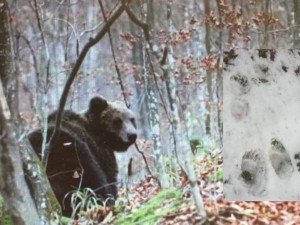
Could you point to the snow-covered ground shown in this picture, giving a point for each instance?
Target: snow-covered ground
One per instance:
(262, 127)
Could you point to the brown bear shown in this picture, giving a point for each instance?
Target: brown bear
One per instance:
(83, 156)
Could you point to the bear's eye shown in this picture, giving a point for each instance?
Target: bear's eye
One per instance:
(117, 123)
(132, 120)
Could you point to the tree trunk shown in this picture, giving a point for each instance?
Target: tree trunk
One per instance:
(152, 96)
(137, 60)
(297, 24)
(209, 73)
(13, 186)
(6, 55)
(180, 138)
(28, 203)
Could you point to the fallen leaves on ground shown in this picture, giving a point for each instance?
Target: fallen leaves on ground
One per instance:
(218, 211)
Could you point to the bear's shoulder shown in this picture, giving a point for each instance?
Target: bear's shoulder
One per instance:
(69, 117)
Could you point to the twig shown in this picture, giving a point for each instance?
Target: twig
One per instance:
(114, 57)
(39, 22)
(35, 65)
(67, 36)
(139, 23)
(45, 112)
(145, 28)
(90, 29)
(147, 165)
(123, 89)
(123, 92)
(69, 25)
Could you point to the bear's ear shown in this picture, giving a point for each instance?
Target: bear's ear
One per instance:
(97, 105)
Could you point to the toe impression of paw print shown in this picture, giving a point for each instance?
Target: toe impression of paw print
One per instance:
(239, 84)
(297, 158)
(280, 159)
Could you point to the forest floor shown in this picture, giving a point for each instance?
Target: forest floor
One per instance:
(146, 204)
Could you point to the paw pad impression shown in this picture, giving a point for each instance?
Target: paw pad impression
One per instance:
(280, 159)
(253, 171)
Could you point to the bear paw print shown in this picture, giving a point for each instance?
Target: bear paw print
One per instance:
(280, 159)
(239, 108)
(239, 84)
(253, 171)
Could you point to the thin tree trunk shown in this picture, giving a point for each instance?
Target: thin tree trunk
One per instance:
(219, 82)
(137, 60)
(266, 36)
(152, 96)
(209, 74)
(297, 24)
(6, 56)
(180, 137)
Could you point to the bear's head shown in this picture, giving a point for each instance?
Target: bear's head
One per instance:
(113, 122)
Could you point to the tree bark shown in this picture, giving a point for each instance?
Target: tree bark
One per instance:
(29, 201)
(180, 138)
(6, 55)
(137, 60)
(13, 186)
(209, 73)
(297, 24)
(152, 96)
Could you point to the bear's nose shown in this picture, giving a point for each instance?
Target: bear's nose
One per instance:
(132, 137)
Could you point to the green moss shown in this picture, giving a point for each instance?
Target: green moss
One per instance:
(49, 193)
(166, 201)
(5, 218)
(65, 220)
(53, 201)
(217, 176)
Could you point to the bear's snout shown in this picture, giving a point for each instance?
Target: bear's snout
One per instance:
(132, 137)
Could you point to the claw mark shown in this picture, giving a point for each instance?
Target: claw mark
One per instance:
(239, 84)
(297, 157)
(259, 81)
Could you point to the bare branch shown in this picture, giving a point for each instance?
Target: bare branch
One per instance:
(74, 72)
(163, 61)
(114, 57)
(147, 165)
(124, 95)
(91, 29)
(35, 65)
(39, 22)
(139, 23)
(145, 28)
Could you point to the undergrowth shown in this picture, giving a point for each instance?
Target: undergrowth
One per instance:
(157, 207)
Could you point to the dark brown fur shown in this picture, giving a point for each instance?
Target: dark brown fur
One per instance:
(86, 147)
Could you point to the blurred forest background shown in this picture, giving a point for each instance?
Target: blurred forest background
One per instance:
(49, 35)
(177, 65)
(164, 59)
